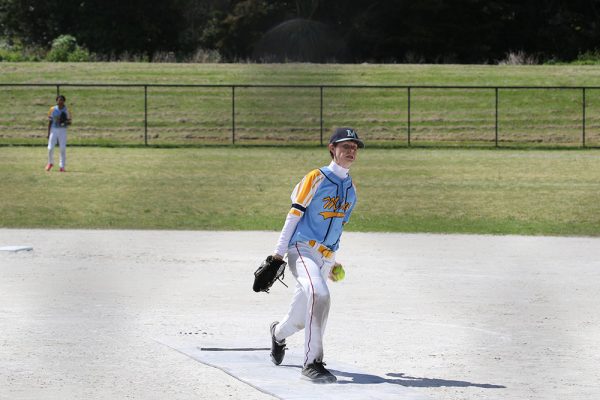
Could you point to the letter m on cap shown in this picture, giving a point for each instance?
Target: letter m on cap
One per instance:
(350, 133)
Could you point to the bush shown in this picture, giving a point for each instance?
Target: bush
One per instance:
(518, 58)
(164, 57)
(204, 56)
(16, 52)
(65, 48)
(79, 55)
(10, 55)
(590, 57)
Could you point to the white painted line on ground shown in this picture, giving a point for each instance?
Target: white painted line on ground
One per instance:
(16, 248)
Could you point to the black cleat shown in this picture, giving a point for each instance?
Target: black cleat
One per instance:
(317, 373)
(277, 348)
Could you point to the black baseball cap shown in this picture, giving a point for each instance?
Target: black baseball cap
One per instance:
(345, 134)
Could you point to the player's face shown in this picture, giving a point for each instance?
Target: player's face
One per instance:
(344, 153)
(60, 102)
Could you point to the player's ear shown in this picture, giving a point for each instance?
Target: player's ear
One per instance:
(331, 147)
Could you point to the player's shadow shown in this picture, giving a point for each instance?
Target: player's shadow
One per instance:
(408, 381)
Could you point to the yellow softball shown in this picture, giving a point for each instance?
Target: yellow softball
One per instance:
(338, 273)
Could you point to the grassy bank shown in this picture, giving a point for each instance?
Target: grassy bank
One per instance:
(191, 116)
(361, 74)
(400, 190)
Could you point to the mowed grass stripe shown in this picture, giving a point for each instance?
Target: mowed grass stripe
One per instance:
(400, 190)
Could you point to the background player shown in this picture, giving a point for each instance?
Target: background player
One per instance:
(59, 118)
(321, 204)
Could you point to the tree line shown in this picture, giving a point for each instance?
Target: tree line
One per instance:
(432, 31)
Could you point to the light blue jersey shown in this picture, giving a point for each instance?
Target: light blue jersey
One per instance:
(325, 202)
(54, 116)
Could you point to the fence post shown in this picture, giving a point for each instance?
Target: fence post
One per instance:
(321, 115)
(496, 123)
(583, 119)
(57, 90)
(408, 117)
(145, 115)
(232, 114)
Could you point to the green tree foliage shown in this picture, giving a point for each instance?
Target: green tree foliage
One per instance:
(36, 22)
(103, 26)
(462, 31)
(137, 26)
(235, 31)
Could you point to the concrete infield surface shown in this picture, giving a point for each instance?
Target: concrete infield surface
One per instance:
(444, 316)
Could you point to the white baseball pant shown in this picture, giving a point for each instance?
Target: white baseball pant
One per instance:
(58, 135)
(310, 305)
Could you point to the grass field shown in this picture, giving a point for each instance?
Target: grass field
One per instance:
(198, 116)
(504, 191)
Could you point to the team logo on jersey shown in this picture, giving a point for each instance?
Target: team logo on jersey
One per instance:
(333, 203)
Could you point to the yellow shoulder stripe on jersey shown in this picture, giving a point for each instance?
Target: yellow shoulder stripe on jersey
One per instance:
(307, 187)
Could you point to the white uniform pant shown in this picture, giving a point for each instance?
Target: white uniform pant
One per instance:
(310, 305)
(58, 135)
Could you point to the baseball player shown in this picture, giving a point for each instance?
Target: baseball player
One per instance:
(321, 204)
(59, 118)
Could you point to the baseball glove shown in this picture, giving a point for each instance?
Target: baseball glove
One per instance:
(63, 120)
(268, 272)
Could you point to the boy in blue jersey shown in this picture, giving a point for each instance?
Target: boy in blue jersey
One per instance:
(59, 118)
(321, 204)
